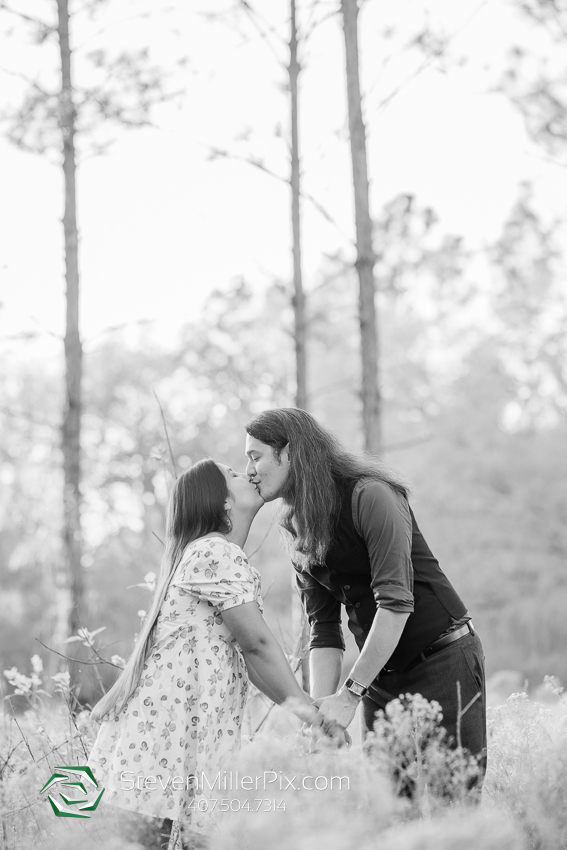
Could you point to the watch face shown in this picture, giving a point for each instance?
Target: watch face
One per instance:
(355, 687)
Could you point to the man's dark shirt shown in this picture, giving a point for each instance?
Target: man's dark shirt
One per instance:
(378, 558)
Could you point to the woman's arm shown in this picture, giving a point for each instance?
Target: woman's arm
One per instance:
(258, 682)
(265, 656)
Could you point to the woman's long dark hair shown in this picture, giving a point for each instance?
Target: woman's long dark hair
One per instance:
(319, 467)
(196, 508)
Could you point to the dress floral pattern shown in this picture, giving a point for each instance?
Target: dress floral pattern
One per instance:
(184, 718)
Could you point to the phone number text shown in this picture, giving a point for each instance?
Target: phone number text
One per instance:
(258, 804)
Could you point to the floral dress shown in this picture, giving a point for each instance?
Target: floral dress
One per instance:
(162, 752)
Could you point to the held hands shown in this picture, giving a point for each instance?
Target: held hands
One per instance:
(305, 709)
(339, 735)
(338, 709)
(328, 731)
(315, 722)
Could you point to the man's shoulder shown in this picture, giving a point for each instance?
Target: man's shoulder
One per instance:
(374, 494)
(369, 487)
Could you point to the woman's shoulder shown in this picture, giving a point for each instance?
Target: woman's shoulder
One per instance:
(213, 559)
(215, 546)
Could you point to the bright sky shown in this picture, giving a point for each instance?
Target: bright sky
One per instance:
(162, 225)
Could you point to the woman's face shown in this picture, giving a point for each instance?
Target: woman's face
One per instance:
(243, 493)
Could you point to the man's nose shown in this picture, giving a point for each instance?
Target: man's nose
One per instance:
(250, 468)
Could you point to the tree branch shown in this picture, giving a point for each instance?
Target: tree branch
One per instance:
(313, 25)
(28, 18)
(115, 328)
(406, 444)
(80, 660)
(253, 16)
(429, 59)
(348, 381)
(126, 20)
(27, 80)
(257, 163)
(167, 436)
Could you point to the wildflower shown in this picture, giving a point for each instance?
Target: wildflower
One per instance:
(27, 686)
(149, 582)
(37, 664)
(84, 636)
(409, 744)
(62, 682)
(83, 722)
(23, 685)
(553, 684)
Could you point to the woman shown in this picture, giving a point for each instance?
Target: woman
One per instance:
(174, 715)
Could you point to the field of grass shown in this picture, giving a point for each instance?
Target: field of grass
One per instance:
(524, 799)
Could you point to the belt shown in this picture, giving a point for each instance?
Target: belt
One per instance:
(440, 643)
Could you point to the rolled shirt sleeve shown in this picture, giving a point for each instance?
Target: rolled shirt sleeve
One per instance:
(384, 521)
(323, 612)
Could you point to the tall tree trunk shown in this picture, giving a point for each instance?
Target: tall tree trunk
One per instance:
(298, 293)
(298, 627)
(371, 402)
(71, 431)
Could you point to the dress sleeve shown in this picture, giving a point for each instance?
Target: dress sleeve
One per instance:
(218, 574)
(323, 612)
(384, 521)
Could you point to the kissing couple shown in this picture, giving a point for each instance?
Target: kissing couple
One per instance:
(178, 705)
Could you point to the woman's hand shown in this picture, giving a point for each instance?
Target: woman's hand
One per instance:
(337, 734)
(314, 726)
(304, 709)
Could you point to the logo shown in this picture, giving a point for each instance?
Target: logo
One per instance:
(76, 778)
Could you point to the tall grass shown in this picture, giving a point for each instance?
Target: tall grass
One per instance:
(524, 801)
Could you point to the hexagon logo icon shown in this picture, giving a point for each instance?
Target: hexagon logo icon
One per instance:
(76, 779)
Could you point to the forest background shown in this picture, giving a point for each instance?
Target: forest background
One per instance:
(188, 298)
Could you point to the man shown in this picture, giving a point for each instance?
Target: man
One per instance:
(354, 541)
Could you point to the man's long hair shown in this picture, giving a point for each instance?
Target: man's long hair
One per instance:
(320, 467)
(196, 508)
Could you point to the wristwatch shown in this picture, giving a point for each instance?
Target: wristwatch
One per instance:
(355, 688)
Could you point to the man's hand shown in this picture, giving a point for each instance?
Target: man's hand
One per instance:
(339, 708)
(323, 730)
